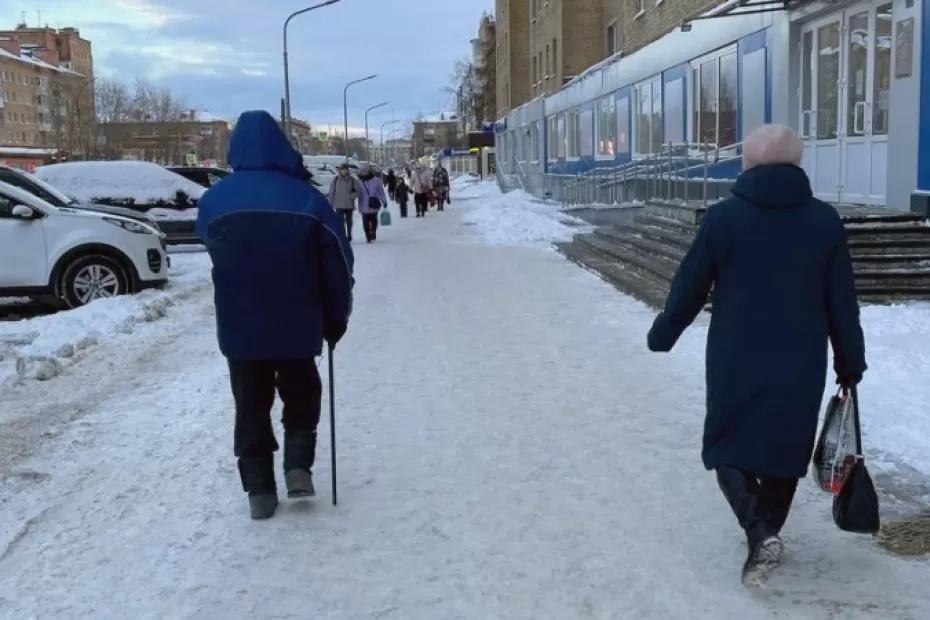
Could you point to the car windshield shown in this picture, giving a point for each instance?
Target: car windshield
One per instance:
(35, 186)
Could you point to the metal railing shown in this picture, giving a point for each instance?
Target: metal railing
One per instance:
(678, 172)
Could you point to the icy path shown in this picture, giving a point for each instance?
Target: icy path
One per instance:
(507, 450)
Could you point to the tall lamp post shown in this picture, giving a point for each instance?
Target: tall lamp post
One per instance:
(385, 124)
(287, 78)
(374, 107)
(345, 107)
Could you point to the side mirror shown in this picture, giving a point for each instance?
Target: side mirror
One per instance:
(22, 212)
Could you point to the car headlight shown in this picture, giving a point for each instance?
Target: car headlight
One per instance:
(131, 226)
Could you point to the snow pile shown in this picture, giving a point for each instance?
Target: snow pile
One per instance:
(41, 348)
(120, 182)
(515, 218)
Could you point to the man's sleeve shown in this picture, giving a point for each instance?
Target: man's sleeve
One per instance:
(337, 265)
(688, 294)
(204, 215)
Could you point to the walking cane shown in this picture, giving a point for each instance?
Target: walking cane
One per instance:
(332, 421)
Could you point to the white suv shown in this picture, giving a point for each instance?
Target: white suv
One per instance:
(74, 255)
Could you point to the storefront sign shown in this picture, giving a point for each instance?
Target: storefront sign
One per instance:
(904, 48)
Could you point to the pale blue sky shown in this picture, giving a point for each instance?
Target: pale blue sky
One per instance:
(225, 55)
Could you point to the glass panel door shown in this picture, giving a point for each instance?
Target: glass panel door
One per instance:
(857, 65)
(881, 97)
(828, 80)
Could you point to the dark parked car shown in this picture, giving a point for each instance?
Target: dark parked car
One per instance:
(205, 177)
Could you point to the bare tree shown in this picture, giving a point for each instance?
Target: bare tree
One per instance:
(464, 86)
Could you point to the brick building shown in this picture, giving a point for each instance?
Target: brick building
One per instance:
(566, 37)
(434, 134)
(513, 54)
(486, 66)
(628, 25)
(46, 92)
(168, 142)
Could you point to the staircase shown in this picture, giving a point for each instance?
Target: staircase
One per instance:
(890, 252)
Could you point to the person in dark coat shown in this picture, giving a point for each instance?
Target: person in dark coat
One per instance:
(402, 196)
(282, 273)
(783, 284)
(390, 180)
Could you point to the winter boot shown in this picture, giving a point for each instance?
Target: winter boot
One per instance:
(257, 475)
(299, 454)
(262, 505)
(299, 483)
(763, 558)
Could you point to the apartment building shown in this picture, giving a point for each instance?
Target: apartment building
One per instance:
(486, 65)
(513, 54)
(566, 37)
(629, 25)
(46, 102)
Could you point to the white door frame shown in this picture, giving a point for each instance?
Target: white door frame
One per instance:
(840, 167)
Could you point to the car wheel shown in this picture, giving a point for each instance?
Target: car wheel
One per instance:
(90, 278)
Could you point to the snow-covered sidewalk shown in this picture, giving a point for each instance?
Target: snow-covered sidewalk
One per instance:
(508, 449)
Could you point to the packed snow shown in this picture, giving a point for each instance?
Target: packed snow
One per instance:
(142, 183)
(43, 347)
(507, 449)
(516, 217)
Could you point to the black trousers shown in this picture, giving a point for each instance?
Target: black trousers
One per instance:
(370, 223)
(253, 387)
(421, 201)
(403, 209)
(761, 505)
(347, 214)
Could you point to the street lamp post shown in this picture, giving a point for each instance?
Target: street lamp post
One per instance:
(374, 107)
(287, 78)
(385, 124)
(345, 107)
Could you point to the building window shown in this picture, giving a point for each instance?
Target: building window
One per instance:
(548, 61)
(586, 134)
(674, 113)
(563, 137)
(623, 125)
(640, 9)
(648, 119)
(606, 128)
(556, 63)
(714, 100)
(552, 138)
(534, 72)
(612, 39)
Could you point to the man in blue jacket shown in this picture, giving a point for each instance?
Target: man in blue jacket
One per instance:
(783, 284)
(282, 272)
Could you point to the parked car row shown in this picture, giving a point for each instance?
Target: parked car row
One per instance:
(82, 231)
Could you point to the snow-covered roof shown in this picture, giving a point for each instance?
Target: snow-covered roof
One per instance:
(30, 60)
(444, 117)
(138, 181)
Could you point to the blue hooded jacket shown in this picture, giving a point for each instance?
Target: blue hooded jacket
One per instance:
(783, 285)
(282, 266)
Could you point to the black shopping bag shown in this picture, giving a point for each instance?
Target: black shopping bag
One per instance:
(855, 507)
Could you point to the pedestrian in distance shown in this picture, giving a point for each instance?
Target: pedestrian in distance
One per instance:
(391, 181)
(344, 190)
(441, 185)
(371, 200)
(282, 273)
(778, 263)
(422, 184)
(402, 196)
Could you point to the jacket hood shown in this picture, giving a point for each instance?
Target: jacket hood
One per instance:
(259, 144)
(775, 186)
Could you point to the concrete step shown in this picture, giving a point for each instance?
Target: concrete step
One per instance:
(644, 243)
(657, 234)
(688, 231)
(684, 213)
(628, 279)
(658, 266)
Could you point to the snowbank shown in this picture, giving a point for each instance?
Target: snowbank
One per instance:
(515, 218)
(41, 348)
(137, 182)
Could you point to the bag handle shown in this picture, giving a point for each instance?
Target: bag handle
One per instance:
(854, 392)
